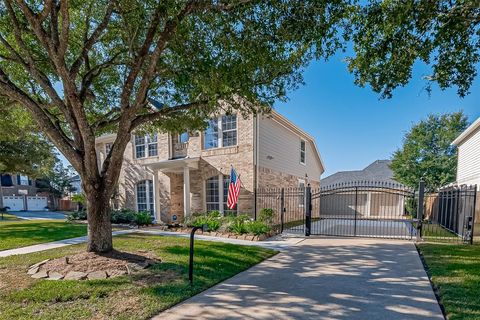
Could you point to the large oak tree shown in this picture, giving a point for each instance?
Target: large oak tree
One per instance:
(86, 67)
(83, 67)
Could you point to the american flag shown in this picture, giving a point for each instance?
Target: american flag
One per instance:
(233, 189)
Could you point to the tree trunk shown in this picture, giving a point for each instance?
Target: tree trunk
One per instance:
(99, 224)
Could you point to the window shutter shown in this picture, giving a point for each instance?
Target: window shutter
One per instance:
(18, 179)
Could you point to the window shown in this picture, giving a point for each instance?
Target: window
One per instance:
(143, 143)
(108, 148)
(211, 135)
(6, 180)
(23, 180)
(221, 132)
(229, 131)
(145, 200)
(139, 146)
(152, 144)
(212, 193)
(302, 151)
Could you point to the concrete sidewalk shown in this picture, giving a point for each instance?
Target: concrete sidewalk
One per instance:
(278, 243)
(323, 279)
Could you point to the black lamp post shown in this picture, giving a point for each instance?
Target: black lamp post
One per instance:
(192, 238)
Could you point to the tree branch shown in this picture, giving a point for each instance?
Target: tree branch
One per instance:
(149, 117)
(90, 41)
(55, 133)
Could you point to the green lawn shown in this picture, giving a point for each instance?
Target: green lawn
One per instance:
(128, 297)
(6, 217)
(455, 271)
(16, 234)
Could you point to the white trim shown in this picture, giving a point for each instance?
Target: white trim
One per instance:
(465, 134)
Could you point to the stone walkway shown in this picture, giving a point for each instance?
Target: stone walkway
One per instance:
(276, 244)
(326, 278)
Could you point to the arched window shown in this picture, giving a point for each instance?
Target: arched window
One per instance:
(145, 199)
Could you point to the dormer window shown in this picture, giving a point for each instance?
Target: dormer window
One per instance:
(146, 145)
(221, 132)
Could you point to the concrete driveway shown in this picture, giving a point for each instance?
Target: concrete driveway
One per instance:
(323, 279)
(39, 215)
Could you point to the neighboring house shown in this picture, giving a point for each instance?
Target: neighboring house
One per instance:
(175, 175)
(363, 192)
(19, 192)
(76, 184)
(468, 165)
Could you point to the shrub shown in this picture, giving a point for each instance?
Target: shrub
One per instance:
(143, 218)
(238, 224)
(266, 215)
(257, 227)
(80, 198)
(212, 220)
(123, 216)
(77, 215)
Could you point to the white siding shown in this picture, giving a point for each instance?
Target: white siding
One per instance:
(468, 171)
(279, 149)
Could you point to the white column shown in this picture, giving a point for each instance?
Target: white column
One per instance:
(220, 196)
(156, 195)
(186, 192)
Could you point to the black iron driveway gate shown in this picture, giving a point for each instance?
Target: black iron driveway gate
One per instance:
(364, 209)
(373, 209)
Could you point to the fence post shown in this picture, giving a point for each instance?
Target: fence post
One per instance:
(421, 196)
(308, 210)
(356, 208)
(282, 209)
(472, 230)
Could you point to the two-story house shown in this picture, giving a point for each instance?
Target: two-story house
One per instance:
(175, 175)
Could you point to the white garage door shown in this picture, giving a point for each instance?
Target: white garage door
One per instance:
(14, 202)
(36, 203)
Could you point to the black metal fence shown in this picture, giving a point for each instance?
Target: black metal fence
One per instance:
(449, 214)
(373, 209)
(288, 205)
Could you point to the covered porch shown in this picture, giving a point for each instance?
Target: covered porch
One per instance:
(172, 188)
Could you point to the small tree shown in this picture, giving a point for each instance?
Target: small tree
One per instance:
(57, 180)
(23, 149)
(427, 152)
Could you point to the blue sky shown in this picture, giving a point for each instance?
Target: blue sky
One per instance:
(352, 125)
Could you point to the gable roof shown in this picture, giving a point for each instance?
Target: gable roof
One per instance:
(297, 130)
(377, 171)
(466, 134)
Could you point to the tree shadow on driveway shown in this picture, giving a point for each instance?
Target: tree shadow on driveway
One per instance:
(323, 279)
